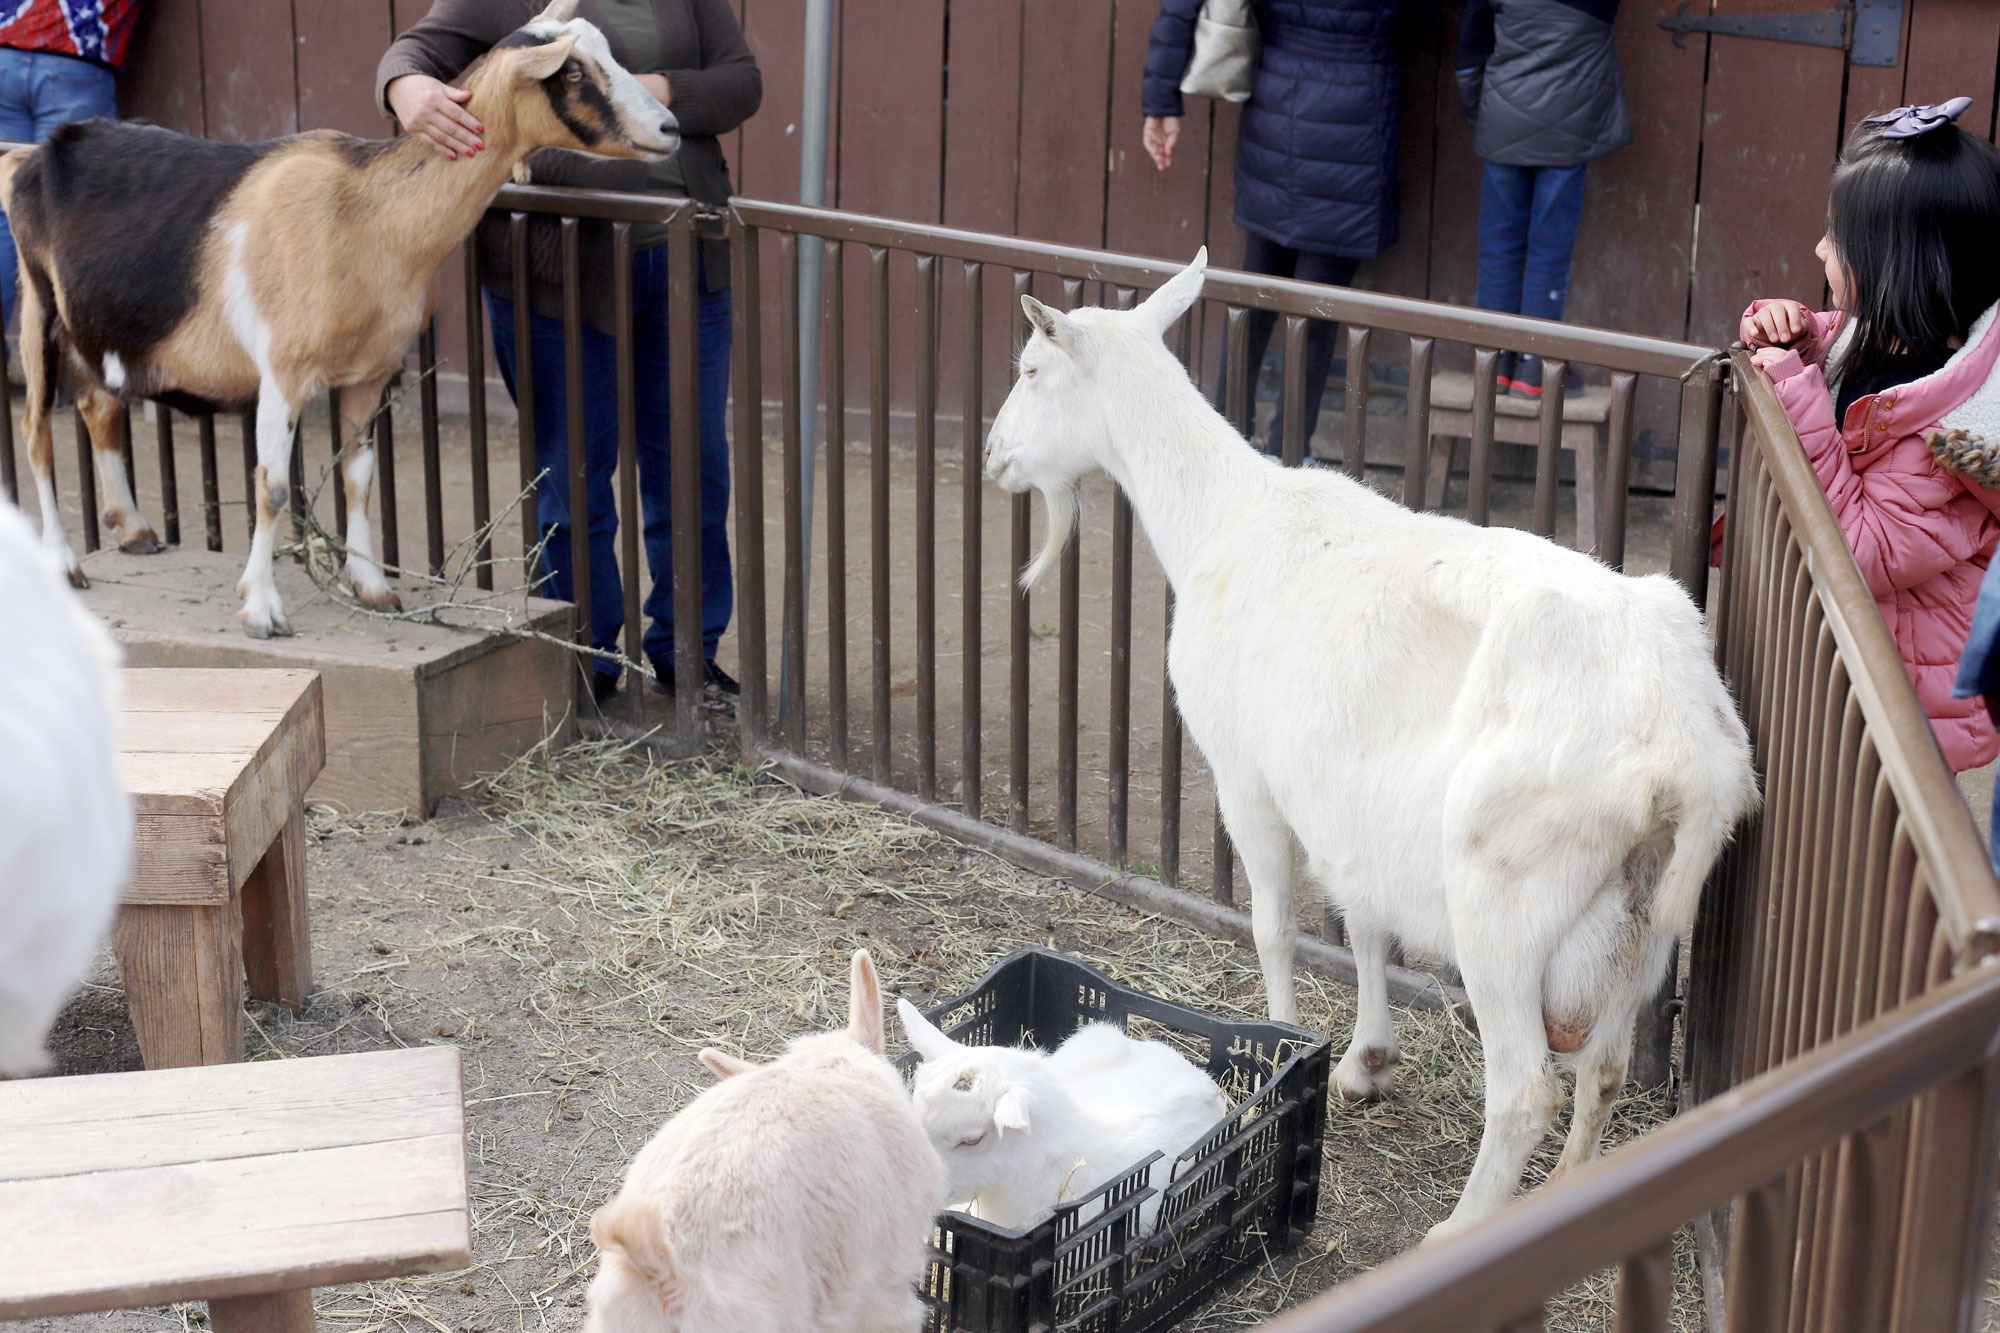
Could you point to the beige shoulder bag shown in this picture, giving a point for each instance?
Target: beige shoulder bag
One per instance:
(1224, 64)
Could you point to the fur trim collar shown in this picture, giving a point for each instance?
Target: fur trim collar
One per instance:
(1967, 440)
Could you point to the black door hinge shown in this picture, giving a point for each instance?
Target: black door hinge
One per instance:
(1870, 31)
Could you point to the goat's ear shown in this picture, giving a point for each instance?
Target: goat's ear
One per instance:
(536, 63)
(1011, 1112)
(723, 1066)
(1057, 327)
(925, 1038)
(864, 1002)
(558, 11)
(1174, 297)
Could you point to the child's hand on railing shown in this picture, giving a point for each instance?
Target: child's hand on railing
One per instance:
(1780, 323)
(1766, 357)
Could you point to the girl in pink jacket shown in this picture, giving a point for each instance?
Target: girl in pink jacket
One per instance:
(1895, 395)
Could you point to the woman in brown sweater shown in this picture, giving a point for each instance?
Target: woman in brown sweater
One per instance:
(691, 55)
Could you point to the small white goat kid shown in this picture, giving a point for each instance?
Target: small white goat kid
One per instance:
(1496, 749)
(794, 1195)
(65, 820)
(1021, 1131)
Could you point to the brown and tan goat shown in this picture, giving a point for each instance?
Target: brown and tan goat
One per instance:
(155, 265)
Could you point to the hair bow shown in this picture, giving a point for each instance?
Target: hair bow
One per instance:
(1907, 122)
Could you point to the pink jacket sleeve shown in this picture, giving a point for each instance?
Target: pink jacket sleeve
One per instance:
(1897, 539)
(1812, 347)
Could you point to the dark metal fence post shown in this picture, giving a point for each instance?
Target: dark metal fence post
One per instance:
(747, 341)
(684, 359)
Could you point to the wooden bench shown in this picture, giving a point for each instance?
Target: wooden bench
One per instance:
(218, 762)
(244, 1185)
(1585, 431)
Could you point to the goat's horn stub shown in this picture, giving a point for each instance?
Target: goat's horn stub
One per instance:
(558, 11)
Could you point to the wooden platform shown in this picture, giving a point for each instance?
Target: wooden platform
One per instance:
(413, 712)
(242, 1185)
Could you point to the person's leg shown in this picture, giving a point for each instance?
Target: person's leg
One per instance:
(17, 123)
(607, 601)
(1505, 200)
(1259, 256)
(1555, 212)
(1336, 271)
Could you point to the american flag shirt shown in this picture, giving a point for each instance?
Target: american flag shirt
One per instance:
(96, 30)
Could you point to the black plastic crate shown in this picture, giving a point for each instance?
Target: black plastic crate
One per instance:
(1249, 1188)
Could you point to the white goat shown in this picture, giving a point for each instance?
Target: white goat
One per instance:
(1021, 1131)
(794, 1195)
(65, 820)
(1496, 749)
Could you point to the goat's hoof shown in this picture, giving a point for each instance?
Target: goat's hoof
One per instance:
(1366, 1075)
(145, 543)
(277, 627)
(384, 600)
(76, 578)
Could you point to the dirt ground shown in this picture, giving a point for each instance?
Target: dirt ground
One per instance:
(594, 919)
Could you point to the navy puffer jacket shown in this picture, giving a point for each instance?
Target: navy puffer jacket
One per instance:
(1316, 152)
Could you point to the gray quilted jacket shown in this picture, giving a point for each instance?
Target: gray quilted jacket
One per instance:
(1539, 78)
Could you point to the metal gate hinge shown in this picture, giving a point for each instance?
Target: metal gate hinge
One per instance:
(1870, 31)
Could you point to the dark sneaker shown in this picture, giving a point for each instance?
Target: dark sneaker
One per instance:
(603, 686)
(718, 688)
(1503, 371)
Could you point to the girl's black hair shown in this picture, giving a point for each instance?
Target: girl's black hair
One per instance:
(1916, 224)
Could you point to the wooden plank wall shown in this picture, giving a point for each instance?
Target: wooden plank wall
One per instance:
(1021, 116)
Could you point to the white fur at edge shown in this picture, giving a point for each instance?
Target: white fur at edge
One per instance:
(65, 820)
(794, 1195)
(1021, 1131)
(1495, 749)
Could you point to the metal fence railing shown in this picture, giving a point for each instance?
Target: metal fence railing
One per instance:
(1905, 1107)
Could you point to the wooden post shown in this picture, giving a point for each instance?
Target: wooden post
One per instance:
(279, 1312)
(277, 944)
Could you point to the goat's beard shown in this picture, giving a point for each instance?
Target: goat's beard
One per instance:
(1062, 504)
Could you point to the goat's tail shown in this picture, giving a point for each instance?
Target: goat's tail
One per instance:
(633, 1229)
(1705, 815)
(10, 164)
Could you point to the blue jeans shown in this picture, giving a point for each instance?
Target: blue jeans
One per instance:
(600, 423)
(38, 92)
(1528, 217)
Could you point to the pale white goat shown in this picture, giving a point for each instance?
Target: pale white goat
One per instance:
(1021, 1131)
(794, 1195)
(65, 820)
(1498, 750)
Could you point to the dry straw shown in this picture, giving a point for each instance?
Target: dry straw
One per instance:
(697, 904)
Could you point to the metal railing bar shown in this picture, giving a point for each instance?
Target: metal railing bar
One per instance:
(9, 478)
(524, 390)
(1548, 448)
(1479, 459)
(971, 460)
(878, 504)
(791, 427)
(753, 712)
(1346, 305)
(579, 440)
(924, 536)
(1017, 605)
(1646, 1290)
(631, 513)
(1613, 502)
(833, 267)
(1694, 476)
(211, 482)
(1292, 411)
(684, 458)
(1625, 1202)
(1354, 437)
(295, 469)
(1069, 598)
(1417, 426)
(334, 433)
(427, 399)
(475, 415)
(170, 484)
(86, 478)
(247, 420)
